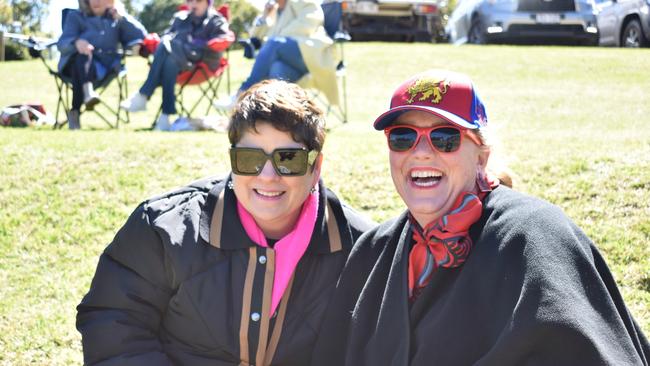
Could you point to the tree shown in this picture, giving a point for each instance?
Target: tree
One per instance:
(242, 14)
(6, 15)
(156, 15)
(29, 13)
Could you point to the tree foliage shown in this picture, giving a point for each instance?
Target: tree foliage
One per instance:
(242, 14)
(156, 15)
(5, 12)
(29, 13)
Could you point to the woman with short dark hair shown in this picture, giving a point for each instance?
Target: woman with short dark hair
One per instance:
(231, 271)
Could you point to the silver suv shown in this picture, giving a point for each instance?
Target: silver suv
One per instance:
(624, 23)
(547, 21)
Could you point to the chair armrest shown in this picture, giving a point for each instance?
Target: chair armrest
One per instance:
(220, 44)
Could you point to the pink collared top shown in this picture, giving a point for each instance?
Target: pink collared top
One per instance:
(289, 249)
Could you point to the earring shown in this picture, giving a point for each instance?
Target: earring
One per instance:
(231, 185)
(312, 190)
(482, 182)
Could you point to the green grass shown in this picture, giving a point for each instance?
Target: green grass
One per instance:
(573, 125)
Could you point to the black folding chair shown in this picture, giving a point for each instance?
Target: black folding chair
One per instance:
(64, 87)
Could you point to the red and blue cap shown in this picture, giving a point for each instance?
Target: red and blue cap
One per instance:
(446, 94)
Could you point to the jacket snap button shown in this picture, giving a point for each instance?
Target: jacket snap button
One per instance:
(255, 317)
(262, 259)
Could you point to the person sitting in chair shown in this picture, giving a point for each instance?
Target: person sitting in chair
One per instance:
(296, 44)
(198, 34)
(88, 46)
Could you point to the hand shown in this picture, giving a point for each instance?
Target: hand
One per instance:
(84, 47)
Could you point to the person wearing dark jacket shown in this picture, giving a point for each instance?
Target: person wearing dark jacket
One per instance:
(89, 49)
(233, 271)
(473, 273)
(198, 34)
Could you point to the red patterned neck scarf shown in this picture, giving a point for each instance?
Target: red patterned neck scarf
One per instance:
(446, 241)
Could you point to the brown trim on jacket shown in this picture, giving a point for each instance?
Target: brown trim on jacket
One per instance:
(246, 307)
(277, 330)
(265, 320)
(215, 224)
(333, 230)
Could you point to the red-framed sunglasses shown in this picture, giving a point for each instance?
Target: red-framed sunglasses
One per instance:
(446, 138)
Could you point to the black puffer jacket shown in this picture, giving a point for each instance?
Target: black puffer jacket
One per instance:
(189, 35)
(183, 284)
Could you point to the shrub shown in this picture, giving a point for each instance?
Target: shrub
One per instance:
(15, 52)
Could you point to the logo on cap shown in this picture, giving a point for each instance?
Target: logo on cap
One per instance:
(428, 88)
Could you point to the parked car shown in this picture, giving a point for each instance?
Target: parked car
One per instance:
(405, 20)
(624, 23)
(500, 21)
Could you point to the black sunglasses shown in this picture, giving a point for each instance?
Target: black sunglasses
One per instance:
(445, 138)
(286, 162)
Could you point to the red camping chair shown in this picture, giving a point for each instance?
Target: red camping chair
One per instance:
(207, 80)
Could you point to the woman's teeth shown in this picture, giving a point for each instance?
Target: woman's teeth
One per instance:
(425, 178)
(268, 193)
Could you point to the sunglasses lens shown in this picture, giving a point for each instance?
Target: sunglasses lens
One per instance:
(290, 161)
(402, 138)
(247, 161)
(446, 139)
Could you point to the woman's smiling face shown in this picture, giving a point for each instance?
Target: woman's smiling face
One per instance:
(429, 181)
(273, 200)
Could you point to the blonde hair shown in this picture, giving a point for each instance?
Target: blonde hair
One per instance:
(497, 165)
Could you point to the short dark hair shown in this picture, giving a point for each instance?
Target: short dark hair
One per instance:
(285, 106)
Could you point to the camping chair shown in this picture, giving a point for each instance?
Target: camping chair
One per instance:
(207, 81)
(64, 87)
(333, 12)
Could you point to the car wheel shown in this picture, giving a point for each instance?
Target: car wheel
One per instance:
(476, 34)
(632, 35)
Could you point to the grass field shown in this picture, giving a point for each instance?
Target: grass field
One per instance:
(574, 126)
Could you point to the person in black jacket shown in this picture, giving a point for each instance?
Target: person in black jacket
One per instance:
(473, 273)
(198, 34)
(233, 271)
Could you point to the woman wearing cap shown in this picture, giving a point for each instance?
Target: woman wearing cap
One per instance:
(198, 34)
(473, 272)
(234, 271)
